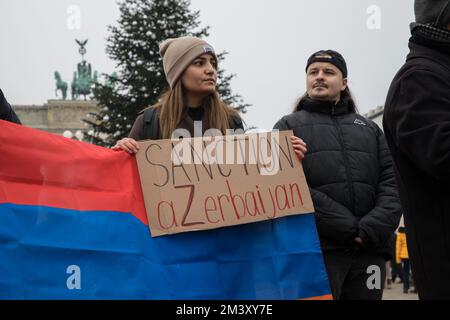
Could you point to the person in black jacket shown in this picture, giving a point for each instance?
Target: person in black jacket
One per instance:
(349, 171)
(6, 112)
(417, 127)
(190, 66)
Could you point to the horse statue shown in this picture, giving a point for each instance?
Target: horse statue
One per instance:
(60, 85)
(83, 80)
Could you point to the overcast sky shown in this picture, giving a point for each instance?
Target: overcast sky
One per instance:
(269, 42)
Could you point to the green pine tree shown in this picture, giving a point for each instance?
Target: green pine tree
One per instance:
(134, 45)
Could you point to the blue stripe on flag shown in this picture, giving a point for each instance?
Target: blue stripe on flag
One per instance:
(118, 259)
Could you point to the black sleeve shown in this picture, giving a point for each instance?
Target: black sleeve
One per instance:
(334, 221)
(6, 112)
(377, 226)
(281, 125)
(421, 122)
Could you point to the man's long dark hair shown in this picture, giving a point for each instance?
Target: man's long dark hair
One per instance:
(346, 96)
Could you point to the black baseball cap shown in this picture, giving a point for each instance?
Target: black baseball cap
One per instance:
(330, 56)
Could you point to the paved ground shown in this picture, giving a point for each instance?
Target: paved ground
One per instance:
(396, 293)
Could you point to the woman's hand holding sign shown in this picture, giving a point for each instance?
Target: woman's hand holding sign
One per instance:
(127, 144)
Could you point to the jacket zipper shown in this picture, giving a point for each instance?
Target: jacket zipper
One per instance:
(346, 162)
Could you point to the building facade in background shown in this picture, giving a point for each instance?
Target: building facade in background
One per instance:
(63, 117)
(376, 115)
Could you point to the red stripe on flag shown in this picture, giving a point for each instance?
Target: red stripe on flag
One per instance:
(40, 168)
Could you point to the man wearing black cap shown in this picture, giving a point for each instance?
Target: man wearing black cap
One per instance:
(349, 172)
(417, 128)
(6, 112)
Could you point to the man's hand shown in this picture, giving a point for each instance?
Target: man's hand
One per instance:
(299, 147)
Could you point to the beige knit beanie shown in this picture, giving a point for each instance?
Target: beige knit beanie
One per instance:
(178, 53)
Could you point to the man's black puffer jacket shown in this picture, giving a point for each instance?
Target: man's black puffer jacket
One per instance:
(349, 171)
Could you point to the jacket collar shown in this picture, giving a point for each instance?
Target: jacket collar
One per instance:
(327, 107)
(423, 51)
(187, 123)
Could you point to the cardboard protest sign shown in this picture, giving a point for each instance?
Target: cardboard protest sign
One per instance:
(211, 182)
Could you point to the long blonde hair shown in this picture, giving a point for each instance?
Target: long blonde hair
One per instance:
(172, 104)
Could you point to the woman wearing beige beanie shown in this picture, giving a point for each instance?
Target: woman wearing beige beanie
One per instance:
(190, 66)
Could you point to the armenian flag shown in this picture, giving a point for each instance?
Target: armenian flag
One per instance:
(73, 226)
